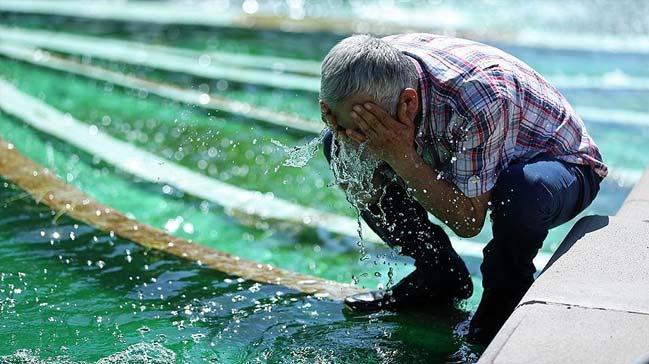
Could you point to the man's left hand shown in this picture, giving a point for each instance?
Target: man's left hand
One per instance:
(391, 140)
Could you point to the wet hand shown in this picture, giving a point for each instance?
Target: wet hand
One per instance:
(330, 120)
(390, 139)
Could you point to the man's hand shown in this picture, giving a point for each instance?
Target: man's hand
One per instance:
(391, 140)
(330, 120)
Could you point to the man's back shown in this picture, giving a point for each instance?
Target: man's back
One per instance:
(484, 108)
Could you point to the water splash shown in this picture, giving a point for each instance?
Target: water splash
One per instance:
(354, 170)
(353, 166)
(150, 353)
(26, 356)
(300, 155)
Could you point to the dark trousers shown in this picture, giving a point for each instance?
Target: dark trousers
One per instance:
(529, 198)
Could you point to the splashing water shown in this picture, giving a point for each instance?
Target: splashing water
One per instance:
(150, 353)
(300, 155)
(353, 169)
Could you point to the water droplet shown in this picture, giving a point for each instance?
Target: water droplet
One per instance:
(204, 99)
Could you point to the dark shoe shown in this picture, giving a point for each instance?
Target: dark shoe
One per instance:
(420, 289)
(496, 305)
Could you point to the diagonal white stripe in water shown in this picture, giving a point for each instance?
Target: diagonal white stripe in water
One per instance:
(285, 73)
(185, 95)
(158, 57)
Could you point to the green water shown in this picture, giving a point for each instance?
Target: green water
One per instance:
(240, 151)
(59, 300)
(55, 297)
(93, 312)
(310, 46)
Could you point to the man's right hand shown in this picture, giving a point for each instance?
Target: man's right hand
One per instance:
(330, 120)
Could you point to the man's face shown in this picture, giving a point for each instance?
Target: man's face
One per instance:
(343, 110)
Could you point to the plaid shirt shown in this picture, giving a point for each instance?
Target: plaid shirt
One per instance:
(483, 108)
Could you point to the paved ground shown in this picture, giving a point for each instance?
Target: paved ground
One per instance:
(591, 303)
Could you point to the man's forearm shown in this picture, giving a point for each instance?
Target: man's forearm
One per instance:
(393, 141)
(438, 196)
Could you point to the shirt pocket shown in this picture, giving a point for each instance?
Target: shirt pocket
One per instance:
(458, 133)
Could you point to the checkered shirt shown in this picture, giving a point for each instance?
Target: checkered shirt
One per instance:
(482, 109)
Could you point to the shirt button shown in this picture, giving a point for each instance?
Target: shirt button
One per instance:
(474, 179)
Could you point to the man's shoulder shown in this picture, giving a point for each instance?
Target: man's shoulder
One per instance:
(431, 40)
(412, 37)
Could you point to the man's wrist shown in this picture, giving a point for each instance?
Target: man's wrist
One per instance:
(406, 160)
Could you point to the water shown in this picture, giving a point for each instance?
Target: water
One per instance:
(87, 312)
(299, 155)
(153, 353)
(71, 293)
(355, 170)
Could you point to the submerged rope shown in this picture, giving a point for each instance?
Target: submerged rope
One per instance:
(44, 187)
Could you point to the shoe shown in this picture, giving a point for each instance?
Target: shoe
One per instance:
(420, 289)
(496, 305)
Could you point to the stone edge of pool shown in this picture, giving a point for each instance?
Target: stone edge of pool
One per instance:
(591, 302)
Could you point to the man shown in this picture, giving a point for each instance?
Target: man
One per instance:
(462, 128)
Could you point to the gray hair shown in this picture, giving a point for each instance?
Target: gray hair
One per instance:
(362, 64)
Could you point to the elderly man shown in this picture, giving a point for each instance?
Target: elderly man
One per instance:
(462, 128)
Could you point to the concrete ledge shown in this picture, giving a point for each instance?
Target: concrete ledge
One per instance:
(607, 266)
(636, 205)
(591, 302)
(549, 333)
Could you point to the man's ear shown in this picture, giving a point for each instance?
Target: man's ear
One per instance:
(327, 116)
(410, 97)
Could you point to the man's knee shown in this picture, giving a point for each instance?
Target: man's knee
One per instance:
(520, 197)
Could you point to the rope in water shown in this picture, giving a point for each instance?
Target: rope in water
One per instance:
(46, 188)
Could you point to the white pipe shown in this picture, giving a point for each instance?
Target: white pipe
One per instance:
(142, 54)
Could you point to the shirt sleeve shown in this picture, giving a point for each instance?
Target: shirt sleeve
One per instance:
(479, 144)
